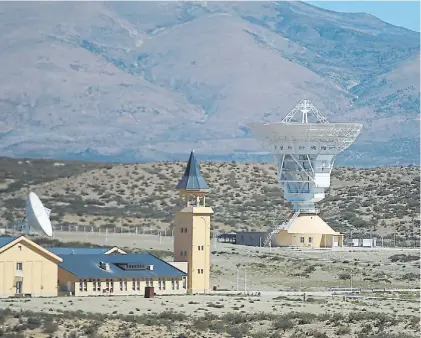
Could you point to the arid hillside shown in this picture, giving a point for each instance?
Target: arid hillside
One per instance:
(128, 81)
(245, 196)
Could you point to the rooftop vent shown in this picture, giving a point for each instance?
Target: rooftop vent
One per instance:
(104, 266)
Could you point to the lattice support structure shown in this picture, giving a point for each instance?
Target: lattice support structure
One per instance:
(283, 226)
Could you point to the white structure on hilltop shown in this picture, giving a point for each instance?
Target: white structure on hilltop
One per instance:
(305, 151)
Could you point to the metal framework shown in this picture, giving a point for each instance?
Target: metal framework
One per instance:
(305, 153)
(283, 226)
(305, 106)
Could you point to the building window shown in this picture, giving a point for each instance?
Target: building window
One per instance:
(202, 247)
(107, 284)
(177, 283)
(159, 284)
(198, 248)
(185, 230)
(80, 285)
(138, 285)
(125, 285)
(99, 285)
(200, 271)
(184, 283)
(151, 282)
(134, 285)
(19, 266)
(164, 282)
(301, 239)
(310, 239)
(85, 285)
(121, 285)
(182, 229)
(172, 284)
(20, 247)
(94, 285)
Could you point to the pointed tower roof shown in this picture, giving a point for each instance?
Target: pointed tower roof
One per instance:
(192, 179)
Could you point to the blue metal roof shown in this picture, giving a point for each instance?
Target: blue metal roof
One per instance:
(77, 251)
(192, 179)
(87, 266)
(4, 240)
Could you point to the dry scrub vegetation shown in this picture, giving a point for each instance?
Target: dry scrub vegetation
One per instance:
(282, 318)
(244, 196)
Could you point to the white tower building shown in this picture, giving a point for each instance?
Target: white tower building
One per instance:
(305, 151)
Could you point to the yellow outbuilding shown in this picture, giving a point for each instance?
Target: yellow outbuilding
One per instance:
(27, 269)
(308, 230)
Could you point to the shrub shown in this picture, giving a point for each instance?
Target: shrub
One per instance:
(50, 327)
(33, 323)
(344, 276)
(343, 330)
(283, 324)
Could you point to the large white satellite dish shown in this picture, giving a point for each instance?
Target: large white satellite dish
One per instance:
(37, 217)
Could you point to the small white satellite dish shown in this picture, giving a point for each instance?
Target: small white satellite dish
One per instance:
(37, 217)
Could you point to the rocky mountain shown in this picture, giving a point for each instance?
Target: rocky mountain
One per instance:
(151, 80)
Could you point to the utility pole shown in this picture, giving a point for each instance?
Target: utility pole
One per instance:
(238, 278)
(300, 281)
(245, 280)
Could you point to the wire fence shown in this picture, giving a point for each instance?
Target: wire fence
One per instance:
(393, 241)
(106, 230)
(357, 240)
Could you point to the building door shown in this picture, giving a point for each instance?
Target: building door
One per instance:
(19, 288)
(335, 241)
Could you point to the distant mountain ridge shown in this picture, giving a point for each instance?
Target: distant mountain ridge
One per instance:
(147, 81)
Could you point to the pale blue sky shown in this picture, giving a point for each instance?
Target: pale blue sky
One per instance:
(399, 13)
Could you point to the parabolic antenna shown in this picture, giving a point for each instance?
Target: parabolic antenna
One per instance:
(37, 217)
(304, 153)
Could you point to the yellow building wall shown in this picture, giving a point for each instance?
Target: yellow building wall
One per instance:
(193, 246)
(85, 287)
(66, 281)
(283, 238)
(39, 271)
(315, 242)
